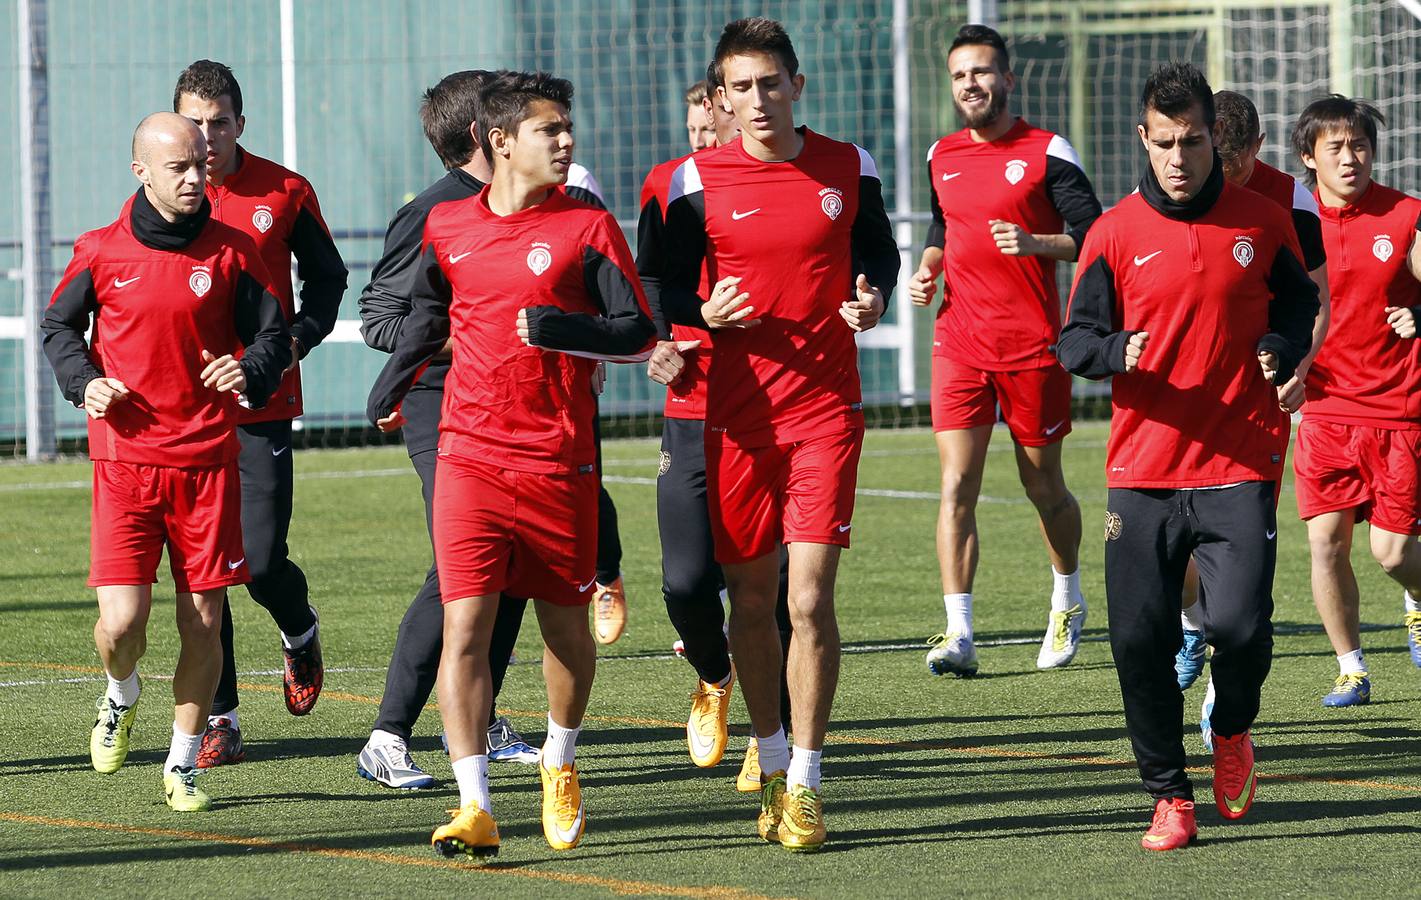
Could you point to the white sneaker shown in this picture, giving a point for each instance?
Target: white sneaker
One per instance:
(1063, 636)
(952, 654)
(388, 762)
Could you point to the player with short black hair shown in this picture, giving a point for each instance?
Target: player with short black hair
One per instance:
(1009, 200)
(187, 328)
(528, 283)
(1192, 296)
(781, 221)
(278, 209)
(1360, 437)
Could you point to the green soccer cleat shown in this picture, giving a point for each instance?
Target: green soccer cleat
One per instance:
(108, 742)
(183, 795)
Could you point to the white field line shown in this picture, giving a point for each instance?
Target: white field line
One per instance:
(88, 679)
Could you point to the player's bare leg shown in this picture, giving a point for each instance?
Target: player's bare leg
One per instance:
(120, 634)
(813, 663)
(569, 665)
(1338, 601)
(1060, 517)
(755, 644)
(199, 617)
(465, 691)
(962, 454)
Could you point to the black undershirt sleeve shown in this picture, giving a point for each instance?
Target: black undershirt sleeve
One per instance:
(1309, 229)
(577, 192)
(622, 330)
(874, 248)
(423, 333)
(1091, 344)
(386, 299)
(1073, 196)
(649, 257)
(937, 228)
(682, 254)
(1291, 313)
(64, 326)
(323, 280)
(261, 327)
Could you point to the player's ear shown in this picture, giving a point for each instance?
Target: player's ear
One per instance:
(798, 82)
(241, 125)
(140, 171)
(500, 142)
(1144, 138)
(1307, 159)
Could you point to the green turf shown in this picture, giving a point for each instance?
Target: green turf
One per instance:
(1017, 783)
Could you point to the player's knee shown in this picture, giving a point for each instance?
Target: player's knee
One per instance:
(1329, 549)
(1241, 634)
(960, 489)
(1391, 556)
(122, 628)
(199, 627)
(690, 583)
(1045, 490)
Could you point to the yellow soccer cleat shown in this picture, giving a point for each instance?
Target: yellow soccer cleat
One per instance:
(182, 793)
(563, 816)
(472, 833)
(108, 742)
(708, 727)
(772, 797)
(802, 820)
(609, 611)
(748, 781)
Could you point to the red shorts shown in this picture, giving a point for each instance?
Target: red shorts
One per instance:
(1362, 467)
(500, 531)
(197, 512)
(761, 497)
(1035, 403)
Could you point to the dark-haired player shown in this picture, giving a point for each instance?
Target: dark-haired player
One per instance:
(799, 255)
(1360, 438)
(1193, 295)
(173, 296)
(277, 209)
(1008, 200)
(511, 275)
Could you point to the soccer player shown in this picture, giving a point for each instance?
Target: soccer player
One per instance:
(1240, 138)
(448, 114)
(1193, 295)
(780, 220)
(1008, 201)
(510, 275)
(1360, 437)
(173, 295)
(700, 125)
(277, 209)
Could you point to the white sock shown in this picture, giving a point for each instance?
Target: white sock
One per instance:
(182, 752)
(471, 772)
(561, 746)
(774, 752)
(1353, 662)
(124, 691)
(804, 768)
(296, 642)
(1193, 617)
(1412, 604)
(725, 682)
(959, 613)
(230, 716)
(1065, 591)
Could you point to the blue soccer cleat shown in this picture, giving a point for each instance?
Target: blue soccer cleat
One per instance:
(1350, 689)
(507, 745)
(1189, 661)
(1206, 711)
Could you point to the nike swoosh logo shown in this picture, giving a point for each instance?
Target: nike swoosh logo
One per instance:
(1237, 804)
(1156, 838)
(454, 259)
(700, 747)
(279, 451)
(946, 176)
(1054, 428)
(120, 284)
(1270, 535)
(586, 587)
(844, 528)
(1141, 260)
(737, 216)
(233, 566)
(569, 835)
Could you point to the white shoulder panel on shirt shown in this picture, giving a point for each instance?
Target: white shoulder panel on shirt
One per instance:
(579, 177)
(933, 149)
(1303, 199)
(684, 181)
(867, 167)
(1062, 150)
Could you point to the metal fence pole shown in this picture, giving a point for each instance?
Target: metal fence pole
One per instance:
(903, 199)
(35, 224)
(288, 85)
(983, 12)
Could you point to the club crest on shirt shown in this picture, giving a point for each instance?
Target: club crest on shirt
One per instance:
(665, 463)
(261, 219)
(1382, 248)
(540, 258)
(1113, 526)
(1243, 251)
(200, 281)
(831, 200)
(1016, 171)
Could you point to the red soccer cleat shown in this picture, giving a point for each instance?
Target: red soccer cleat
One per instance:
(303, 674)
(1173, 825)
(1235, 778)
(221, 745)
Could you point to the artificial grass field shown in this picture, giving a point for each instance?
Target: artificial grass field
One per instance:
(1016, 783)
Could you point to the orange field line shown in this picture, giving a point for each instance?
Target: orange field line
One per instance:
(615, 885)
